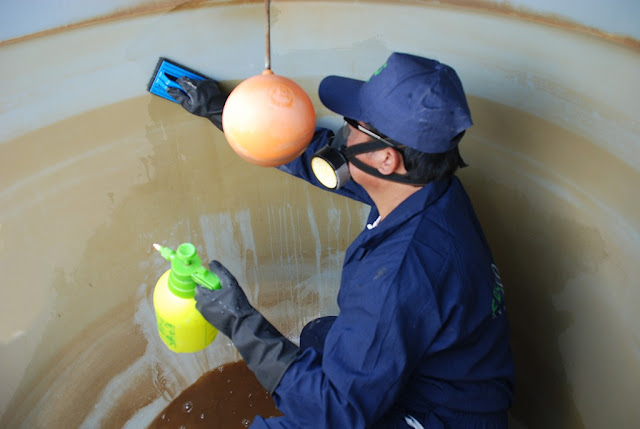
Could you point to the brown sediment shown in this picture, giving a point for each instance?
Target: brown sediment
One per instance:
(228, 397)
(521, 13)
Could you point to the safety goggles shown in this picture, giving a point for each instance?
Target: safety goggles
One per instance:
(369, 132)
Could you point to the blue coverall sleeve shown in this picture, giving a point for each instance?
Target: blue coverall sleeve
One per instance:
(301, 168)
(369, 353)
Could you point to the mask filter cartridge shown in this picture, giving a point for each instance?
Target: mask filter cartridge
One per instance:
(330, 167)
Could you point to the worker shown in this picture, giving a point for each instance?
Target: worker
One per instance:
(422, 337)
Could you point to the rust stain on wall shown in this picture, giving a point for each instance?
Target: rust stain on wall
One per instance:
(168, 6)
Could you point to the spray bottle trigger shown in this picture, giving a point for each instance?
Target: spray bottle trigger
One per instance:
(206, 278)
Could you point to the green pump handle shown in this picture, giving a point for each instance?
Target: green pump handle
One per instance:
(187, 270)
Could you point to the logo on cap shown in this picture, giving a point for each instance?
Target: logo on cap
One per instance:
(377, 72)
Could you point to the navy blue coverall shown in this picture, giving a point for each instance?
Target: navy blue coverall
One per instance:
(422, 329)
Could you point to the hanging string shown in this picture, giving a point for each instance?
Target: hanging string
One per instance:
(267, 35)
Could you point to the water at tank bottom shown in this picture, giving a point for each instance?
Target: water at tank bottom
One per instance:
(227, 397)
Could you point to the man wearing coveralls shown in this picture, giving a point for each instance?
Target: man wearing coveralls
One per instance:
(422, 337)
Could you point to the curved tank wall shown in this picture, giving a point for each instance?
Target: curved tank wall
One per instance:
(95, 170)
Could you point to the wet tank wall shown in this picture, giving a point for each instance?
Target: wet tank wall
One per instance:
(95, 170)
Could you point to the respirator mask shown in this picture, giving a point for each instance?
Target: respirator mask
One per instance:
(330, 164)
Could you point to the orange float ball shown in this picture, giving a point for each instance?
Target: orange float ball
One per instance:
(268, 119)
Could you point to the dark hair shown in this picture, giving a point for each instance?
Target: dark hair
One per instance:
(425, 167)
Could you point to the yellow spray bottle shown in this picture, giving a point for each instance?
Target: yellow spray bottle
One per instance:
(180, 325)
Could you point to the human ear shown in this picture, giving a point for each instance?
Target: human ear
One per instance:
(390, 161)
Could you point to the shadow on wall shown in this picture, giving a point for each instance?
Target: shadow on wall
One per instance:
(539, 247)
(548, 255)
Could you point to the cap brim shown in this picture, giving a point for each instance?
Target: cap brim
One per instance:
(342, 95)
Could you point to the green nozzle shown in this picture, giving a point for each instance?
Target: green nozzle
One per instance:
(187, 270)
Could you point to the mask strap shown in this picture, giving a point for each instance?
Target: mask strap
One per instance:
(351, 152)
(394, 177)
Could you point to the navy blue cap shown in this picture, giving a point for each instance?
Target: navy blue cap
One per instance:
(416, 101)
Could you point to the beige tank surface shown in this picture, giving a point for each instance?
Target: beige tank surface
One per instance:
(94, 170)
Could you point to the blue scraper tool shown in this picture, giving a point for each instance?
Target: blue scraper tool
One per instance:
(165, 76)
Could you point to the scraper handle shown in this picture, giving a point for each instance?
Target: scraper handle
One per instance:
(167, 81)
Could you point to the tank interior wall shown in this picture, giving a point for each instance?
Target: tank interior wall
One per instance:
(95, 170)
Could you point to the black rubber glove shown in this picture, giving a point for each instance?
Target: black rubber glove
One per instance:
(201, 97)
(266, 351)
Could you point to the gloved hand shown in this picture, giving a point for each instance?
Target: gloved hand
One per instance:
(265, 350)
(200, 97)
